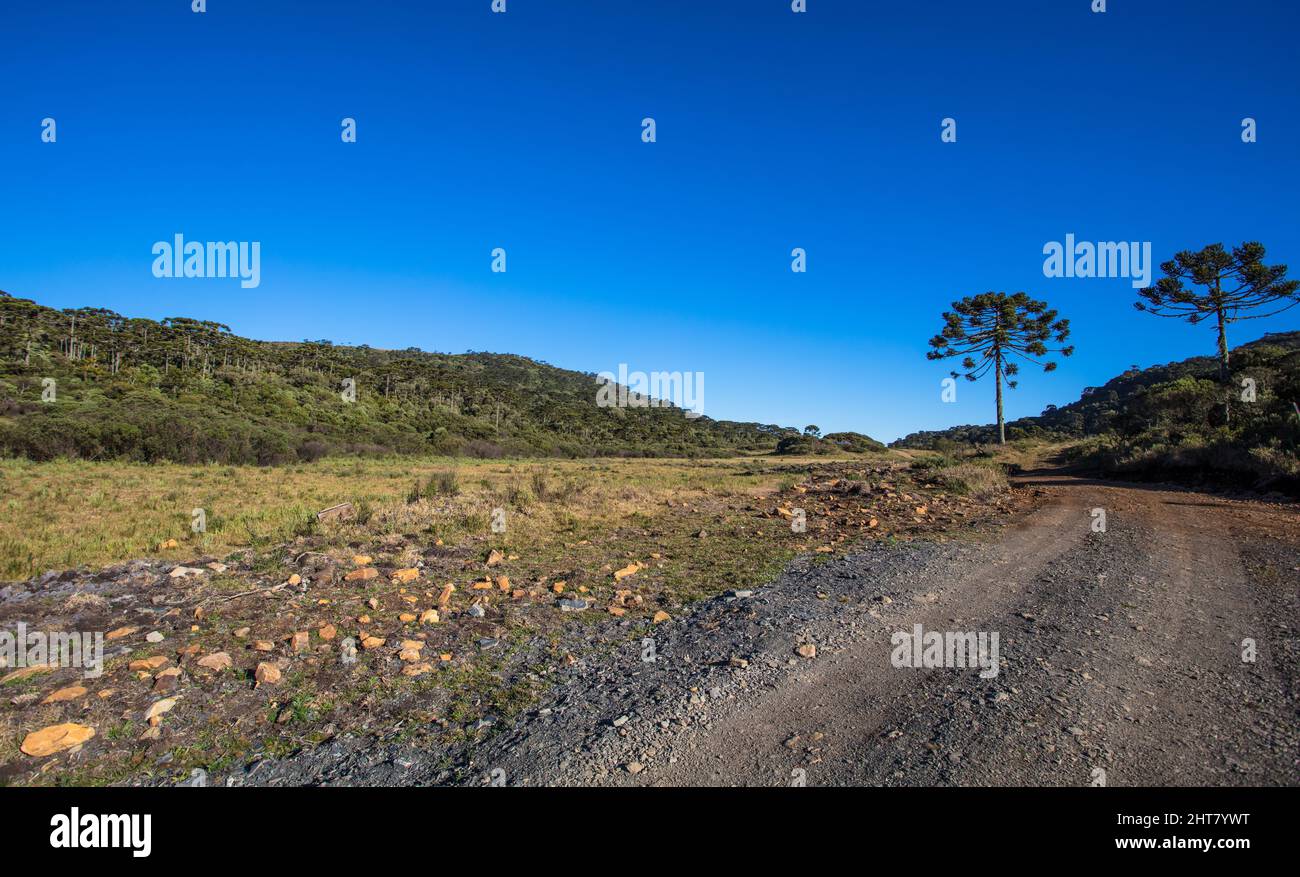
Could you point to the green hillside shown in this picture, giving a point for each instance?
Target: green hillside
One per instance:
(1169, 418)
(190, 391)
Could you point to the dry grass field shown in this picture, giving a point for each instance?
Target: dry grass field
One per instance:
(632, 542)
(65, 514)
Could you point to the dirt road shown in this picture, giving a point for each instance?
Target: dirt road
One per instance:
(1121, 663)
(1123, 654)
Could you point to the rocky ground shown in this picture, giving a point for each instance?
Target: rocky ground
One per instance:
(1121, 652)
(363, 639)
(1122, 663)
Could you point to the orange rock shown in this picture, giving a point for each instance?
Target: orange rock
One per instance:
(120, 632)
(661, 616)
(216, 661)
(300, 641)
(56, 738)
(72, 692)
(266, 673)
(149, 664)
(444, 597)
(153, 715)
(25, 672)
(430, 616)
(406, 575)
(328, 632)
(364, 574)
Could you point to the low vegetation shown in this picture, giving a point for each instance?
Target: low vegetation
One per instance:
(91, 384)
(1168, 420)
(593, 556)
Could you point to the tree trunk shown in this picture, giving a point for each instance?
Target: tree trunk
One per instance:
(997, 375)
(1223, 367)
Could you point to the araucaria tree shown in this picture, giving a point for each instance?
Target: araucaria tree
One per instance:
(1233, 282)
(993, 331)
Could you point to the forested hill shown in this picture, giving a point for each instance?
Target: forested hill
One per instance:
(1169, 420)
(191, 391)
(1181, 395)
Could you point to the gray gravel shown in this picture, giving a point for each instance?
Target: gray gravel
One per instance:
(1121, 664)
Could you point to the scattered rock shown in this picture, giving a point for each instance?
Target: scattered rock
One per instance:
(25, 672)
(154, 714)
(216, 661)
(167, 680)
(72, 692)
(56, 738)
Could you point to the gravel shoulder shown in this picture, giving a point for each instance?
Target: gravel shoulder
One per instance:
(1121, 662)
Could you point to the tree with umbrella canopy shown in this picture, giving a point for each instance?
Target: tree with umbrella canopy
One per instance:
(992, 331)
(1234, 282)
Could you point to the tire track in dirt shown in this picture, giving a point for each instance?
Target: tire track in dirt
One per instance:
(1122, 655)
(1120, 665)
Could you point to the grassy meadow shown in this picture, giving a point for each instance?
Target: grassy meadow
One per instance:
(64, 514)
(635, 540)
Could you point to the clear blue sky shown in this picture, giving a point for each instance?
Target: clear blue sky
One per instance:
(775, 130)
